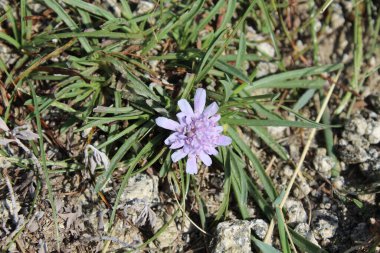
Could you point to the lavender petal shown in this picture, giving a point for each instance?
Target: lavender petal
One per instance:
(206, 159)
(178, 155)
(191, 165)
(185, 107)
(224, 141)
(167, 123)
(199, 100)
(177, 144)
(211, 151)
(211, 110)
(171, 139)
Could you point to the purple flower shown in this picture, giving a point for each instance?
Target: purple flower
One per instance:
(196, 134)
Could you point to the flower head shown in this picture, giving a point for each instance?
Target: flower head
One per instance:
(197, 132)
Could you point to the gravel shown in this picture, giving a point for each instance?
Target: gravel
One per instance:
(260, 228)
(233, 236)
(324, 224)
(323, 163)
(295, 211)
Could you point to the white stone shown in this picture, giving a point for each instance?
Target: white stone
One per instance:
(324, 225)
(259, 227)
(277, 132)
(323, 163)
(265, 68)
(304, 230)
(233, 236)
(295, 211)
(266, 48)
(373, 132)
(144, 7)
(338, 182)
(169, 235)
(141, 188)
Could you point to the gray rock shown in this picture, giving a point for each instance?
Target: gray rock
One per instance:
(324, 224)
(295, 211)
(337, 18)
(265, 68)
(144, 7)
(141, 188)
(357, 124)
(373, 131)
(371, 168)
(259, 227)
(338, 182)
(374, 100)
(351, 154)
(304, 230)
(323, 163)
(302, 191)
(233, 236)
(169, 235)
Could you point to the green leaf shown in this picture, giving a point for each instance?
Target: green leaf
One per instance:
(264, 247)
(9, 40)
(120, 154)
(293, 74)
(273, 144)
(266, 181)
(303, 244)
(282, 123)
(229, 69)
(68, 21)
(90, 8)
(281, 229)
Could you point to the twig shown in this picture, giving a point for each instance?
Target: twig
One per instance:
(184, 212)
(13, 207)
(308, 143)
(303, 156)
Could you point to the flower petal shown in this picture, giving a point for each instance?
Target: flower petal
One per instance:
(177, 144)
(185, 107)
(218, 129)
(211, 110)
(181, 116)
(171, 139)
(215, 118)
(199, 101)
(191, 165)
(211, 151)
(205, 158)
(223, 141)
(178, 155)
(167, 123)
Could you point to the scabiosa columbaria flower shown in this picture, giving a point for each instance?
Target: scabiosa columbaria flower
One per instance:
(196, 134)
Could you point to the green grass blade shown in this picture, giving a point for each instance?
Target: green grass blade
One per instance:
(44, 167)
(294, 74)
(282, 123)
(225, 67)
(9, 40)
(281, 229)
(120, 154)
(68, 21)
(146, 149)
(264, 247)
(264, 178)
(90, 8)
(303, 244)
(267, 138)
(304, 99)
